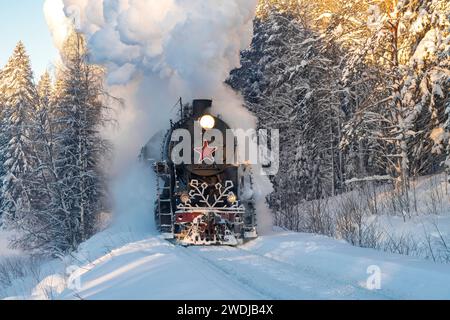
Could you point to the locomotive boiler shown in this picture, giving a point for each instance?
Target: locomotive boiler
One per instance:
(202, 197)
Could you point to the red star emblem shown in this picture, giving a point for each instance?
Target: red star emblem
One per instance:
(206, 152)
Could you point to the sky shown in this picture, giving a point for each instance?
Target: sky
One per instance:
(24, 20)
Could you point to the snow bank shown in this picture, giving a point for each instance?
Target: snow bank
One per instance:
(401, 277)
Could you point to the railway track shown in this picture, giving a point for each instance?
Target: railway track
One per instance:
(274, 279)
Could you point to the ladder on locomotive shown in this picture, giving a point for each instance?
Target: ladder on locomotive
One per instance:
(164, 200)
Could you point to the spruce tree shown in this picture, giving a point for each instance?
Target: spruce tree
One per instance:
(20, 102)
(2, 138)
(290, 81)
(69, 186)
(81, 149)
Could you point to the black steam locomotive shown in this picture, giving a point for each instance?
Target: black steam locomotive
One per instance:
(202, 199)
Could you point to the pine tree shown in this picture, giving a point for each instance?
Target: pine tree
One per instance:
(297, 9)
(3, 140)
(43, 229)
(44, 89)
(20, 101)
(44, 147)
(289, 78)
(44, 117)
(359, 89)
(68, 186)
(426, 82)
(401, 80)
(80, 115)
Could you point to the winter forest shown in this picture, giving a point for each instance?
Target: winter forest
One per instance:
(359, 89)
(360, 92)
(53, 187)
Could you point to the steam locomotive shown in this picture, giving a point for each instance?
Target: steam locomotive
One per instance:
(202, 199)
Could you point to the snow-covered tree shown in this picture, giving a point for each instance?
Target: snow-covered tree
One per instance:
(44, 116)
(300, 10)
(68, 187)
(397, 81)
(426, 86)
(3, 140)
(44, 89)
(289, 79)
(44, 145)
(20, 102)
(81, 149)
(359, 89)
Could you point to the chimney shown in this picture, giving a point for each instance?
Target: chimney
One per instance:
(200, 107)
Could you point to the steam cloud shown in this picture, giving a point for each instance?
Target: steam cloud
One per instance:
(157, 51)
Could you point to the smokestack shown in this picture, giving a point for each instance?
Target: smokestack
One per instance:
(200, 107)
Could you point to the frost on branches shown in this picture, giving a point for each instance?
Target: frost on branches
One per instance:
(19, 100)
(53, 185)
(358, 88)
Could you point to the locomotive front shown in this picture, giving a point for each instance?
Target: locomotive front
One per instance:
(203, 197)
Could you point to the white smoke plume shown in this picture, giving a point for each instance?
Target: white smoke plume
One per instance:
(157, 51)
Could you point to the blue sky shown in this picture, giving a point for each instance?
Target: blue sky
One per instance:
(24, 20)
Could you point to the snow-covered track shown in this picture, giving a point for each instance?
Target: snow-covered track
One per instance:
(281, 266)
(276, 279)
(322, 275)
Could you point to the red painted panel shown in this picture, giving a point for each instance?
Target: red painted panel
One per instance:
(187, 217)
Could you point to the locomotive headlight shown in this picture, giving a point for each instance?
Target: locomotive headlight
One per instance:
(207, 122)
(232, 199)
(185, 198)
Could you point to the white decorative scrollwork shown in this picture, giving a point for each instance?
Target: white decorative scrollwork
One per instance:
(198, 195)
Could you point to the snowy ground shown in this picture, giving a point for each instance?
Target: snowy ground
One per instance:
(130, 261)
(283, 265)
(423, 231)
